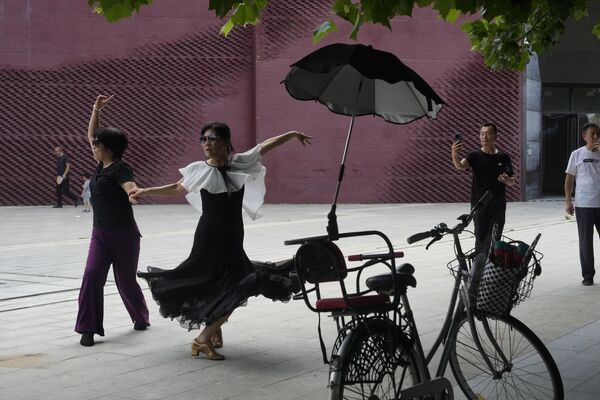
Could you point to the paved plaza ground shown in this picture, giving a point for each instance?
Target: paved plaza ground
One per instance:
(272, 349)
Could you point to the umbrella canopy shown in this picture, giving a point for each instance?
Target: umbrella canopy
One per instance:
(360, 80)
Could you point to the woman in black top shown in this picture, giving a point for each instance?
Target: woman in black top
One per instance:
(115, 235)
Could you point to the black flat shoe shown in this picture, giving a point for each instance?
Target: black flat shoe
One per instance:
(587, 282)
(138, 326)
(87, 339)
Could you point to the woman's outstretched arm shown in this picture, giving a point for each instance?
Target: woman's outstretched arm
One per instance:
(276, 141)
(174, 189)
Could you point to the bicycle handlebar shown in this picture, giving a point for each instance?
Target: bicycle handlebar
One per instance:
(383, 256)
(417, 237)
(437, 232)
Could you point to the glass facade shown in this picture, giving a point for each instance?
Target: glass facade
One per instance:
(565, 99)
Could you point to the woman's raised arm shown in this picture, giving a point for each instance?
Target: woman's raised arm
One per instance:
(95, 117)
(276, 141)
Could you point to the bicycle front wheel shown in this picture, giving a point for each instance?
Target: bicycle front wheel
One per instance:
(522, 366)
(375, 361)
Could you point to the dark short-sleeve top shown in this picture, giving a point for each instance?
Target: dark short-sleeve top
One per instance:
(486, 169)
(111, 203)
(61, 164)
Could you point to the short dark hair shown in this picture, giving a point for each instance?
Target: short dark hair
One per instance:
(114, 139)
(221, 130)
(490, 125)
(590, 125)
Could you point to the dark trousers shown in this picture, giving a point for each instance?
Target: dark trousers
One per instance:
(484, 222)
(587, 219)
(119, 247)
(64, 189)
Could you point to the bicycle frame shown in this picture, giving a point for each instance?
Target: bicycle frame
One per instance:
(375, 316)
(455, 309)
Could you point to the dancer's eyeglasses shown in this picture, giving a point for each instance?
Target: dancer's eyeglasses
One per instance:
(212, 139)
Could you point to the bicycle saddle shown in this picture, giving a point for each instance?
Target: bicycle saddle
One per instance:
(274, 264)
(383, 283)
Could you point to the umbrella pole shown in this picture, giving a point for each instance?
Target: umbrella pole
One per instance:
(332, 226)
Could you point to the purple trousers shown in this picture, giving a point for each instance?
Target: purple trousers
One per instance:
(121, 248)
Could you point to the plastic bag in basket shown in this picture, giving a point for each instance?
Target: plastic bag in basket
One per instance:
(509, 254)
(497, 287)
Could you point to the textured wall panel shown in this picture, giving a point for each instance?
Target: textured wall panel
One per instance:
(161, 92)
(171, 73)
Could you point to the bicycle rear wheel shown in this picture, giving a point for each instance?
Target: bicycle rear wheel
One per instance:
(375, 361)
(527, 370)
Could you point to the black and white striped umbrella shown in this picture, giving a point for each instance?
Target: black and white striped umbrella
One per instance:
(355, 80)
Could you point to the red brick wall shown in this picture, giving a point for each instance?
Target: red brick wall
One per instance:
(171, 73)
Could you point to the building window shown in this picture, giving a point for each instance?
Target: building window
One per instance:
(556, 99)
(586, 100)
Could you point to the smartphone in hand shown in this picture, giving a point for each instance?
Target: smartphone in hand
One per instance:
(458, 137)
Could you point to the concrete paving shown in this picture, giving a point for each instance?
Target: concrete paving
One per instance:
(272, 349)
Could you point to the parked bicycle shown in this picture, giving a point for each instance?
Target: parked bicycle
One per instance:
(378, 353)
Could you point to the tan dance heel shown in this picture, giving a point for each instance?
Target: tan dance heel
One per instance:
(217, 339)
(206, 349)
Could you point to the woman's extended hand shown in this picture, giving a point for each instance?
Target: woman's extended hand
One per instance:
(304, 139)
(101, 101)
(136, 194)
(277, 141)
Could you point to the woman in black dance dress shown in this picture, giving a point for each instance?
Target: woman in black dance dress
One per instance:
(217, 276)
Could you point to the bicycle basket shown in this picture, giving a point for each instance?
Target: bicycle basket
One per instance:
(502, 286)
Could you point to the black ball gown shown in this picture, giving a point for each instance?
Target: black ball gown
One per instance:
(217, 277)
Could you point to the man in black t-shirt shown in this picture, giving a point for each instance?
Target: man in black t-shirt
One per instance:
(63, 169)
(492, 170)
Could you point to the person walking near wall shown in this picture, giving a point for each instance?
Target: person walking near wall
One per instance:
(584, 169)
(63, 172)
(115, 235)
(492, 170)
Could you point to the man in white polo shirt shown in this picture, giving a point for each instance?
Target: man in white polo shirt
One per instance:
(584, 168)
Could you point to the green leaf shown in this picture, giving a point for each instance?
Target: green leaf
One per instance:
(322, 30)
(425, 3)
(222, 7)
(139, 3)
(242, 15)
(380, 12)
(114, 10)
(596, 30)
(453, 15)
(467, 6)
(404, 7)
(443, 7)
(580, 9)
(226, 28)
(356, 27)
(345, 9)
